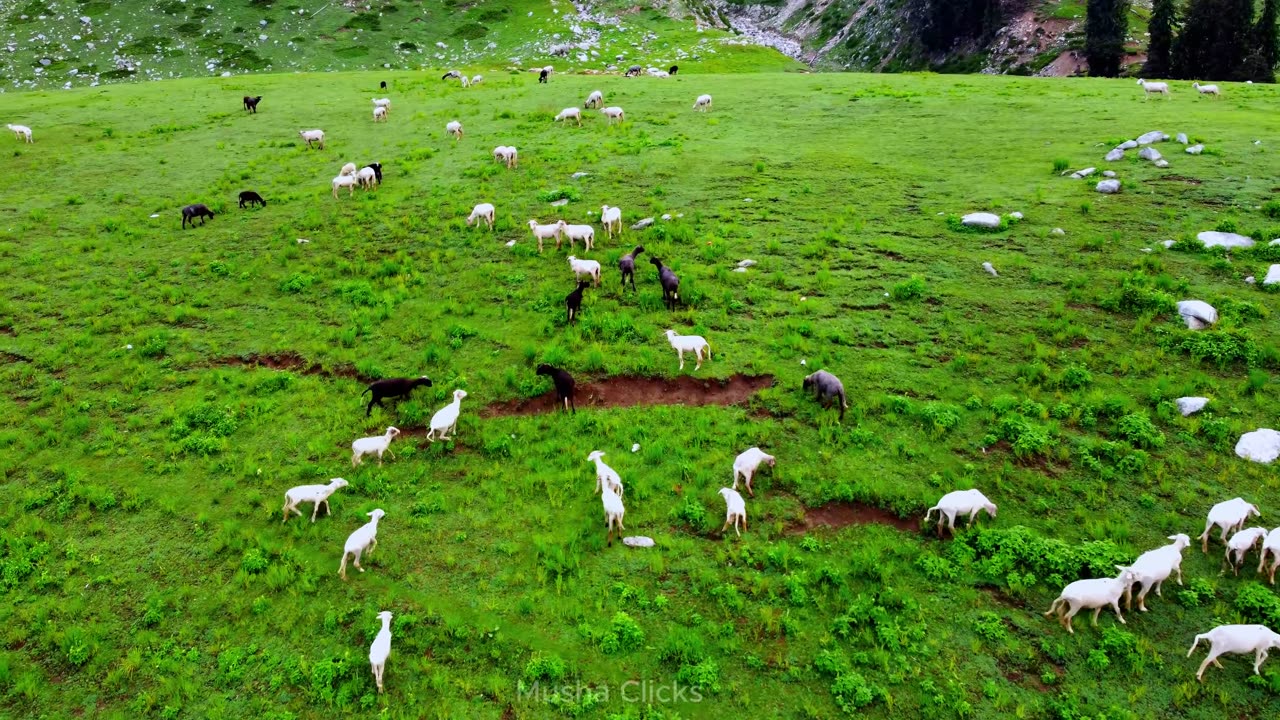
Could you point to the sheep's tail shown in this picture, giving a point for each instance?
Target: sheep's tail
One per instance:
(1194, 645)
(366, 390)
(926, 515)
(1054, 606)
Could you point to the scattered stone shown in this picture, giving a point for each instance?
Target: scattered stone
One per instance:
(1274, 242)
(262, 37)
(1149, 153)
(1114, 155)
(1250, 280)
(746, 199)
(46, 62)
(579, 174)
(1167, 243)
(741, 270)
(1109, 187)
(128, 347)
(1146, 250)
(1191, 405)
(1195, 149)
(155, 215)
(635, 447)
(303, 241)
(262, 23)
(1273, 275)
(1127, 145)
(1213, 238)
(86, 19)
(1197, 313)
(746, 263)
(560, 202)
(1154, 136)
(1082, 174)
(981, 219)
(1162, 163)
(666, 216)
(643, 224)
(1261, 445)
(1108, 173)
(1182, 138)
(638, 541)
(990, 268)
(1015, 215)
(1058, 231)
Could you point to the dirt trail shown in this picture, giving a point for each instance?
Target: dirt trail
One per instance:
(840, 514)
(291, 361)
(631, 391)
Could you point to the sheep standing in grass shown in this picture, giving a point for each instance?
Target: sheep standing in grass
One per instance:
(1230, 515)
(670, 284)
(363, 540)
(251, 198)
(476, 80)
(454, 128)
(1238, 640)
(1091, 594)
(509, 155)
(251, 104)
(21, 132)
(1271, 545)
(1240, 544)
(590, 268)
(191, 212)
(627, 266)
(379, 113)
(594, 100)
(483, 211)
(614, 113)
(703, 103)
(573, 302)
(613, 512)
(1153, 567)
(1152, 88)
(960, 502)
(689, 343)
(585, 233)
(827, 387)
(318, 494)
(382, 103)
(348, 169)
(611, 218)
(389, 388)
(606, 477)
(746, 465)
(377, 171)
(545, 232)
(570, 112)
(375, 445)
(380, 650)
(344, 181)
(366, 178)
(313, 136)
(735, 510)
(1207, 89)
(563, 382)
(445, 420)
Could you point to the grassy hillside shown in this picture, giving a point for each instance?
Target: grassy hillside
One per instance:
(166, 386)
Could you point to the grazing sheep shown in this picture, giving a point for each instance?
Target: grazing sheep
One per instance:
(606, 477)
(21, 132)
(613, 512)
(476, 79)
(364, 539)
(585, 233)
(366, 178)
(318, 494)
(613, 113)
(379, 113)
(627, 265)
(375, 445)
(191, 212)
(563, 382)
(594, 100)
(446, 419)
(674, 69)
(382, 85)
(573, 302)
(544, 232)
(735, 510)
(451, 74)
(1230, 515)
(392, 388)
(633, 71)
(348, 169)
(827, 386)
(1153, 567)
(1237, 640)
(382, 103)
(689, 343)
(251, 104)
(570, 112)
(1154, 87)
(670, 284)
(1240, 544)
(252, 198)
(381, 648)
(483, 211)
(344, 181)
(585, 267)
(1271, 545)
(454, 128)
(506, 154)
(703, 103)
(746, 465)
(960, 502)
(611, 217)
(313, 136)
(1207, 89)
(1091, 594)
(542, 75)
(377, 171)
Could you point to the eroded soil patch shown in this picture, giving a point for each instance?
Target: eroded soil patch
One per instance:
(631, 391)
(840, 514)
(292, 362)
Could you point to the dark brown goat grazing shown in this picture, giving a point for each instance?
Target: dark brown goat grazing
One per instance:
(573, 301)
(564, 385)
(191, 212)
(384, 85)
(627, 264)
(542, 75)
(674, 69)
(670, 284)
(392, 388)
(251, 103)
(251, 198)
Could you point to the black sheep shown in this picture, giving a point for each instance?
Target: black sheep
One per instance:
(674, 69)
(564, 385)
(191, 212)
(451, 74)
(251, 103)
(542, 75)
(573, 301)
(377, 170)
(627, 264)
(392, 388)
(384, 85)
(670, 284)
(252, 198)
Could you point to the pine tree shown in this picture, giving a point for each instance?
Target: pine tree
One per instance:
(1164, 17)
(1215, 42)
(1106, 23)
(1266, 44)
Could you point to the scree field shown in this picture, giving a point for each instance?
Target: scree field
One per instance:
(164, 387)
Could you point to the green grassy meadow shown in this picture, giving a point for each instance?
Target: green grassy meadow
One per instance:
(145, 448)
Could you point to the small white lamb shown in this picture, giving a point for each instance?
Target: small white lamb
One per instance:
(373, 445)
(1207, 89)
(313, 136)
(605, 475)
(483, 211)
(545, 232)
(20, 132)
(703, 103)
(1236, 639)
(960, 502)
(613, 512)
(476, 79)
(1094, 594)
(348, 169)
(1230, 515)
(446, 418)
(570, 112)
(611, 218)
(613, 113)
(584, 267)
(595, 99)
(382, 103)
(379, 113)
(585, 233)
(380, 650)
(689, 343)
(454, 128)
(1240, 544)
(508, 155)
(746, 465)
(318, 494)
(364, 539)
(1153, 567)
(344, 181)
(735, 510)
(1271, 545)
(366, 178)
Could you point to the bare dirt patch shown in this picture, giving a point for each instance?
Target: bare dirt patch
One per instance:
(1178, 178)
(631, 391)
(290, 361)
(841, 514)
(9, 357)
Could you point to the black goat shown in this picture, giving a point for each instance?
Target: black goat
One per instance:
(252, 198)
(564, 385)
(451, 74)
(251, 103)
(627, 264)
(542, 75)
(392, 388)
(377, 170)
(670, 284)
(674, 69)
(384, 85)
(632, 71)
(573, 301)
(191, 212)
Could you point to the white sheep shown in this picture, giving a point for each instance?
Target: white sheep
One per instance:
(960, 502)
(318, 494)
(506, 154)
(570, 112)
(1240, 544)
(366, 178)
(380, 650)
(584, 267)
(545, 232)
(313, 136)
(605, 475)
(483, 211)
(611, 218)
(585, 233)
(382, 103)
(1230, 515)
(379, 113)
(1091, 594)
(613, 511)
(1207, 89)
(446, 418)
(703, 103)
(344, 181)
(364, 539)
(1238, 640)
(594, 100)
(1154, 87)
(1271, 545)
(475, 79)
(466, 81)
(377, 444)
(746, 465)
(454, 128)
(500, 154)
(613, 113)
(1153, 567)
(735, 510)
(20, 132)
(689, 343)
(348, 169)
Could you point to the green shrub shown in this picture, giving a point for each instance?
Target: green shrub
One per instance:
(1075, 377)
(692, 513)
(1258, 604)
(624, 635)
(560, 193)
(1139, 294)
(704, 675)
(545, 667)
(1138, 429)
(912, 288)
(1271, 209)
(1060, 165)
(852, 692)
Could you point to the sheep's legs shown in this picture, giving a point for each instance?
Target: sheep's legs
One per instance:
(1212, 658)
(1258, 659)
(315, 510)
(699, 354)
(342, 569)
(680, 353)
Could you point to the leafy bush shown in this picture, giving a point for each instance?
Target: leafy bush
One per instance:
(1138, 429)
(1258, 604)
(1222, 347)
(1197, 592)
(1060, 165)
(297, 282)
(939, 418)
(852, 692)
(624, 635)
(1017, 558)
(693, 513)
(1026, 437)
(912, 288)
(1138, 294)
(253, 561)
(1075, 377)
(561, 193)
(545, 667)
(704, 675)
(1271, 209)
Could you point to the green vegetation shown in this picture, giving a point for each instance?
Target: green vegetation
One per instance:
(164, 387)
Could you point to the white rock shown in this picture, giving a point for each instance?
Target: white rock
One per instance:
(262, 37)
(1015, 215)
(1058, 231)
(1114, 155)
(303, 241)
(262, 23)
(1154, 136)
(1274, 242)
(1261, 445)
(666, 216)
(1127, 145)
(741, 270)
(128, 347)
(1146, 250)
(1198, 314)
(1110, 187)
(1161, 163)
(1108, 173)
(981, 219)
(1149, 153)
(1191, 405)
(1195, 149)
(579, 174)
(1273, 275)
(990, 268)
(1250, 280)
(1212, 238)
(511, 243)
(1082, 174)
(1182, 138)
(226, 73)
(638, 541)
(635, 447)
(802, 362)
(746, 263)
(1167, 243)
(155, 215)
(560, 202)
(643, 224)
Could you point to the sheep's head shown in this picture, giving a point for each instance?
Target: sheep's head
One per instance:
(595, 455)
(808, 382)
(459, 394)
(375, 514)
(1141, 81)
(771, 460)
(1127, 575)
(384, 615)
(990, 508)
(572, 259)
(1180, 540)
(561, 224)
(1253, 510)
(544, 369)
(639, 249)
(671, 334)
(424, 380)
(724, 493)
(338, 483)
(392, 432)
(655, 262)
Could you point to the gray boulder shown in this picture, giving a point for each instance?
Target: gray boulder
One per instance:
(1161, 163)
(981, 219)
(638, 541)
(1198, 314)
(1149, 153)
(1127, 145)
(1191, 405)
(1082, 174)
(1195, 149)
(1182, 138)
(1154, 136)
(1109, 187)
(1108, 173)
(1213, 238)
(1261, 445)
(1114, 155)
(1273, 275)
(643, 224)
